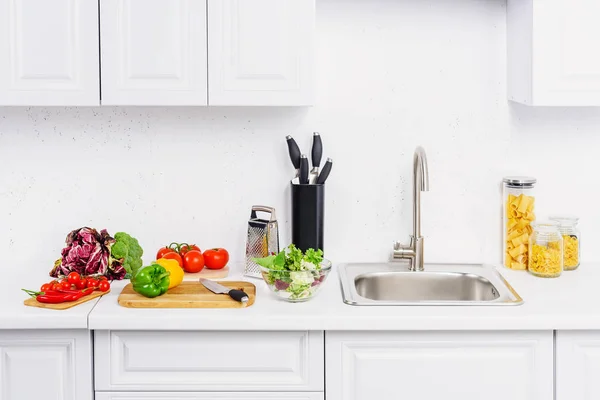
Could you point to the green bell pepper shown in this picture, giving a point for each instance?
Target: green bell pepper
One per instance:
(151, 281)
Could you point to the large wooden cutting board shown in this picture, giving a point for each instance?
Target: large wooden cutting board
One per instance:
(31, 302)
(189, 295)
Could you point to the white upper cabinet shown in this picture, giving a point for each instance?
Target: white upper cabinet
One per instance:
(260, 52)
(552, 52)
(49, 52)
(153, 52)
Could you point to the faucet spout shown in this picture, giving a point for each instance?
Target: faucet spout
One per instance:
(414, 251)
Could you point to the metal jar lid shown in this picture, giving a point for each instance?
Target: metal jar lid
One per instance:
(519, 181)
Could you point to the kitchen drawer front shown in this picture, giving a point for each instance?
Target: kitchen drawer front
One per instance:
(209, 396)
(209, 361)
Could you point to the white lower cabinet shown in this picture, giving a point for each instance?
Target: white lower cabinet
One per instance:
(440, 365)
(44, 364)
(577, 365)
(187, 361)
(208, 396)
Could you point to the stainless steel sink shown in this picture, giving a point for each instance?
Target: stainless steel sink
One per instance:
(439, 284)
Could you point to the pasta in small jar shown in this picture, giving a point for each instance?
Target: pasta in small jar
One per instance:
(518, 213)
(546, 250)
(571, 240)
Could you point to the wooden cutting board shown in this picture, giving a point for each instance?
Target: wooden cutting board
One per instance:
(207, 274)
(31, 302)
(189, 295)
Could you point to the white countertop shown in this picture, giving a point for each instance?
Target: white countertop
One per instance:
(15, 315)
(568, 302)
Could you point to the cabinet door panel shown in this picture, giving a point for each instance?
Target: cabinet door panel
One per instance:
(213, 361)
(577, 365)
(566, 68)
(49, 52)
(153, 52)
(45, 365)
(439, 365)
(208, 396)
(260, 52)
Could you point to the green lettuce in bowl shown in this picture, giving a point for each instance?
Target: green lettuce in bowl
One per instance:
(294, 275)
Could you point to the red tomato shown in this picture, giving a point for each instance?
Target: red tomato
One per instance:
(65, 285)
(46, 287)
(216, 258)
(92, 283)
(193, 261)
(73, 277)
(186, 247)
(81, 283)
(102, 278)
(174, 256)
(162, 251)
(56, 286)
(104, 286)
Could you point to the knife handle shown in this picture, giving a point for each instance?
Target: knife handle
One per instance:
(303, 170)
(317, 150)
(325, 172)
(294, 151)
(239, 295)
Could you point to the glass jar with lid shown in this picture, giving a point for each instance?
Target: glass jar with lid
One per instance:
(545, 250)
(571, 240)
(518, 213)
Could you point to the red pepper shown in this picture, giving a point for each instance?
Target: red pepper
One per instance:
(87, 291)
(52, 299)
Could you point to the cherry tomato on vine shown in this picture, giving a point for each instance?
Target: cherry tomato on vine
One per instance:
(46, 287)
(193, 261)
(65, 285)
(187, 247)
(174, 256)
(164, 250)
(104, 286)
(92, 283)
(73, 278)
(81, 283)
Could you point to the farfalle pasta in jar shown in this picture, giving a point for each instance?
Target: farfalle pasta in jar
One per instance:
(518, 214)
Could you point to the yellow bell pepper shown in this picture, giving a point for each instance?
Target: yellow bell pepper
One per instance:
(173, 267)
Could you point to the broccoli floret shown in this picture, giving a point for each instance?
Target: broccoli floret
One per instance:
(129, 250)
(119, 250)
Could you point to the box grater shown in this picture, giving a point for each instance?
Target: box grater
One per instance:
(263, 239)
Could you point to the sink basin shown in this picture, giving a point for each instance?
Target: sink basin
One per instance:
(439, 284)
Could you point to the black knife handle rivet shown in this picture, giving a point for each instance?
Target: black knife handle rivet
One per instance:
(238, 295)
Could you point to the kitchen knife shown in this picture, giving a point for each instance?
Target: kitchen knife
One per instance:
(317, 153)
(294, 151)
(303, 169)
(237, 295)
(325, 172)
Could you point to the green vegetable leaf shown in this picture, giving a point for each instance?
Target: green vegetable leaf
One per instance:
(266, 262)
(313, 256)
(279, 260)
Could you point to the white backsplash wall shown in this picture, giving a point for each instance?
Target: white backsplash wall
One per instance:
(391, 74)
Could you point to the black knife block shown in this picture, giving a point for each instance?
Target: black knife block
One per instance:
(308, 205)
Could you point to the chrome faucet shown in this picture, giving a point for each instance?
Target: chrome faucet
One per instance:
(414, 251)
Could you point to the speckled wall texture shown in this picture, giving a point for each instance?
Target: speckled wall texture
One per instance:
(390, 75)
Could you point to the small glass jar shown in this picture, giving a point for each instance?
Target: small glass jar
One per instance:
(545, 250)
(518, 213)
(571, 240)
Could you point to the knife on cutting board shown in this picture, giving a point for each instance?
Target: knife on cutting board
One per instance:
(237, 295)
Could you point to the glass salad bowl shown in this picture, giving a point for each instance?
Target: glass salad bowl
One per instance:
(296, 286)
